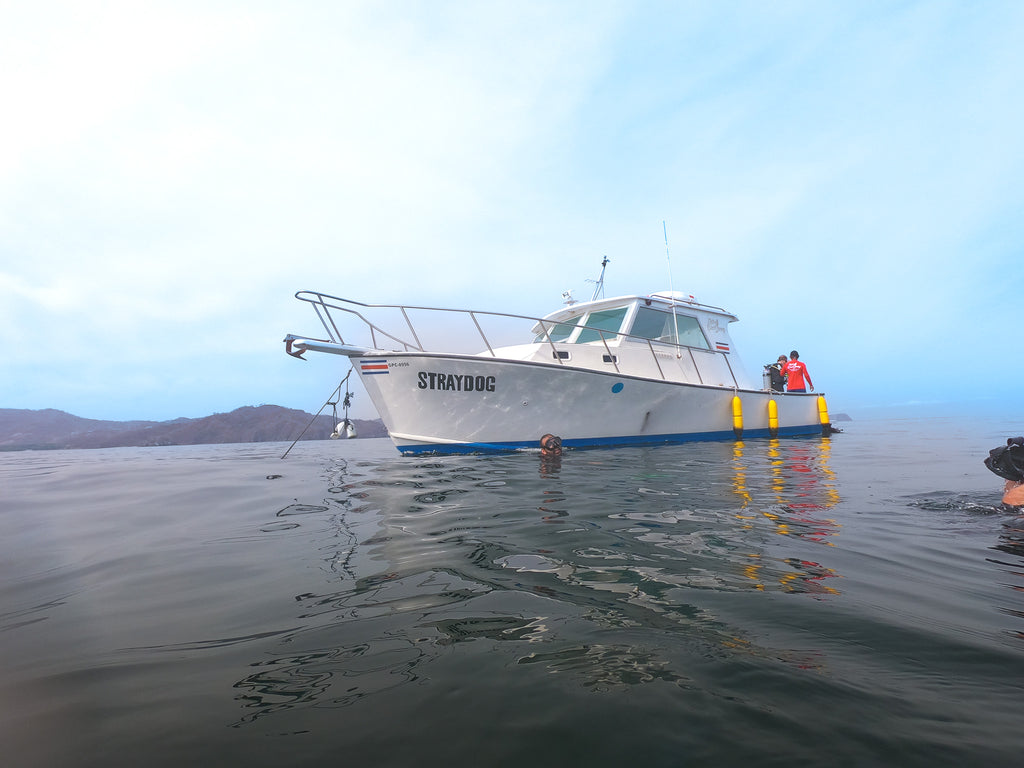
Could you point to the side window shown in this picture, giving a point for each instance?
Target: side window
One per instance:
(661, 326)
(690, 334)
(652, 324)
(607, 320)
(558, 331)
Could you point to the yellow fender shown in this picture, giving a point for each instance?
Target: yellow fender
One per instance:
(737, 416)
(773, 418)
(823, 413)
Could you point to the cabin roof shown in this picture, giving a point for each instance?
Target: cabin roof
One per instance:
(663, 300)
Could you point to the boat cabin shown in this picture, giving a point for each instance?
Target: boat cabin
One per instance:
(687, 341)
(649, 318)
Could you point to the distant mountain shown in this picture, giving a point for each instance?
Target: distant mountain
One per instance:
(52, 429)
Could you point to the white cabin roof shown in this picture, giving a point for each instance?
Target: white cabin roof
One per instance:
(664, 300)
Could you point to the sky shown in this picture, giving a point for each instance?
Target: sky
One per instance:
(847, 178)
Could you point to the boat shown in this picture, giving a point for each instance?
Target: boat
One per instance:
(627, 370)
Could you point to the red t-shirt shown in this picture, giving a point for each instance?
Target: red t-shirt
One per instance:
(795, 372)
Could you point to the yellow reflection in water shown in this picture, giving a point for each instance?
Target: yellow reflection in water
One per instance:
(802, 484)
(739, 479)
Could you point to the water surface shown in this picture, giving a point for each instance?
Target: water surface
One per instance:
(847, 601)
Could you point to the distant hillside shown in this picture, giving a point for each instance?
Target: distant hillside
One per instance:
(52, 429)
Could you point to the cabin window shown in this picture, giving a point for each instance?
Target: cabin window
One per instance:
(660, 326)
(608, 320)
(558, 331)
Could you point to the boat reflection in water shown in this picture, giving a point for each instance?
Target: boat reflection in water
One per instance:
(608, 564)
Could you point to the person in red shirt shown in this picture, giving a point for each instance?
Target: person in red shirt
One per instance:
(796, 372)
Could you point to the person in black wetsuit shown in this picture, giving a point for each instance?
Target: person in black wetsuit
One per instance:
(778, 376)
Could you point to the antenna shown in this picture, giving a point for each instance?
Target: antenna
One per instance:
(671, 289)
(599, 288)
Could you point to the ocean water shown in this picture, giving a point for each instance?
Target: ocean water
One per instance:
(852, 601)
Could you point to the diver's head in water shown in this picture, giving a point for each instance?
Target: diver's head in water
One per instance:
(551, 445)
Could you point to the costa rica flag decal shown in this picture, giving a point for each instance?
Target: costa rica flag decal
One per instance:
(721, 346)
(372, 367)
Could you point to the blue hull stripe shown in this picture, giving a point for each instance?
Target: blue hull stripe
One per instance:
(602, 442)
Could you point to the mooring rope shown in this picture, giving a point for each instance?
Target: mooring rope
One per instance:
(332, 400)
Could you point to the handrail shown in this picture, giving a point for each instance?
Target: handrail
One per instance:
(547, 335)
(323, 304)
(650, 346)
(614, 359)
(481, 332)
(697, 369)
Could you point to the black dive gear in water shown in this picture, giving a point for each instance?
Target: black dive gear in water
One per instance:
(1007, 461)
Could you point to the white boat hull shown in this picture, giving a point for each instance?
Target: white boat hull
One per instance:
(461, 403)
